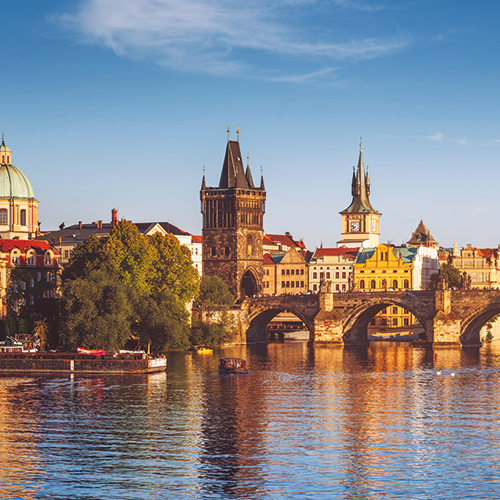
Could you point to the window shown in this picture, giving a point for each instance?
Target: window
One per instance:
(23, 285)
(14, 287)
(302, 272)
(394, 310)
(23, 217)
(48, 259)
(287, 284)
(337, 287)
(315, 287)
(394, 321)
(327, 275)
(49, 277)
(293, 284)
(373, 285)
(315, 276)
(288, 272)
(226, 251)
(292, 272)
(282, 271)
(337, 276)
(39, 276)
(406, 322)
(3, 216)
(283, 284)
(362, 284)
(32, 300)
(302, 284)
(214, 252)
(31, 259)
(406, 284)
(321, 275)
(343, 276)
(384, 284)
(395, 284)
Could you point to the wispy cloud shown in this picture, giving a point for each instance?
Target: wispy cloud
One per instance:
(462, 141)
(220, 37)
(436, 137)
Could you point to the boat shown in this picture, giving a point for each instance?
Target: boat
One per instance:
(91, 352)
(205, 350)
(232, 365)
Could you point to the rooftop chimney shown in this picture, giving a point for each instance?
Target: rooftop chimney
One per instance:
(114, 217)
(80, 224)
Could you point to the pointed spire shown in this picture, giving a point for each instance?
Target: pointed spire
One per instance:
(203, 185)
(360, 188)
(228, 132)
(248, 174)
(261, 179)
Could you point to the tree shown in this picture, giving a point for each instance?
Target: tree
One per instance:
(449, 275)
(154, 272)
(97, 312)
(214, 325)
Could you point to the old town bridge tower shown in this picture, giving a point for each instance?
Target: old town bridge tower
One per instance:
(233, 231)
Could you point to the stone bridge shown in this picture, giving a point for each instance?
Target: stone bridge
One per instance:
(449, 317)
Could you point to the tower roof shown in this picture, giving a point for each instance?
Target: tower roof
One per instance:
(360, 190)
(233, 172)
(13, 183)
(422, 236)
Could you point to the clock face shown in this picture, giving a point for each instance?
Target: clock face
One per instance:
(374, 225)
(355, 225)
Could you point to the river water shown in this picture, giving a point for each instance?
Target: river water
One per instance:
(387, 421)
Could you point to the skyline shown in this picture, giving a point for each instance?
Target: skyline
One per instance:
(121, 103)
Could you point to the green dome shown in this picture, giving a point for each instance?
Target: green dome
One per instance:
(14, 184)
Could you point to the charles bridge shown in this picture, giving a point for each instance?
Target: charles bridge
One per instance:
(449, 317)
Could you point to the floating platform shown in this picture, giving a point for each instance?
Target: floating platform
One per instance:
(80, 363)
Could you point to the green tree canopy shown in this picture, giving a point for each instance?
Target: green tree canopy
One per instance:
(154, 274)
(97, 311)
(449, 275)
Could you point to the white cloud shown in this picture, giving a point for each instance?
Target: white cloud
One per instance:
(436, 137)
(462, 141)
(215, 36)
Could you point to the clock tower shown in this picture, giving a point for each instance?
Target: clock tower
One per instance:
(360, 221)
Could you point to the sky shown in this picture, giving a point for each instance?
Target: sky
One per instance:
(123, 103)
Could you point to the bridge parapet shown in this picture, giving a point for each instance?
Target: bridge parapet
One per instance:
(448, 317)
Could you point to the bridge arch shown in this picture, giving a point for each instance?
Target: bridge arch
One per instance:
(470, 333)
(356, 324)
(260, 311)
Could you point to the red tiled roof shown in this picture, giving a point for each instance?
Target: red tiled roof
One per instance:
(330, 252)
(24, 245)
(195, 238)
(267, 259)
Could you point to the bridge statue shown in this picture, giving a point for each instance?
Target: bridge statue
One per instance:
(449, 317)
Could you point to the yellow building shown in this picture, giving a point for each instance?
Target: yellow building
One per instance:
(285, 273)
(386, 268)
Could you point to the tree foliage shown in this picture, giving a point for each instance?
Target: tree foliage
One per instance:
(449, 275)
(214, 325)
(146, 282)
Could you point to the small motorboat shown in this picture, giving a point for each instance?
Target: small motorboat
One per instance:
(232, 365)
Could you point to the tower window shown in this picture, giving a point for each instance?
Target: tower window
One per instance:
(3, 216)
(214, 251)
(226, 251)
(23, 217)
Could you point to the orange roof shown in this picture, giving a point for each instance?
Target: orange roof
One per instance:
(268, 259)
(195, 238)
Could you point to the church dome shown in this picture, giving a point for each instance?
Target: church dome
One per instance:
(13, 183)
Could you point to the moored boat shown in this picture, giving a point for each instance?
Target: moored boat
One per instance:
(232, 365)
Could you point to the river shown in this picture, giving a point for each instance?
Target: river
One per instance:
(387, 421)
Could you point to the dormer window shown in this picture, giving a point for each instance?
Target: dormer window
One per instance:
(48, 259)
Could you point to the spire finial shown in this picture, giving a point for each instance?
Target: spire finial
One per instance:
(238, 134)
(3, 138)
(228, 133)
(360, 144)
(203, 169)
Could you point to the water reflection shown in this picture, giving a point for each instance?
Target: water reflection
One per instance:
(379, 422)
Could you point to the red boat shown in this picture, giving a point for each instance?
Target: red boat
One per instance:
(93, 352)
(232, 365)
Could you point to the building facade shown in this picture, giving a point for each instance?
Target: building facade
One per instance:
(18, 205)
(285, 273)
(482, 265)
(233, 226)
(335, 265)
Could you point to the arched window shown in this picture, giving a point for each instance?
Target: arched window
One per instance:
(395, 284)
(384, 284)
(373, 285)
(249, 245)
(406, 284)
(362, 285)
(3, 216)
(23, 217)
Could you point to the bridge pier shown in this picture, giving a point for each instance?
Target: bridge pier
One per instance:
(446, 325)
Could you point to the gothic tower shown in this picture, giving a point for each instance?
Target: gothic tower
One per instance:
(360, 221)
(233, 228)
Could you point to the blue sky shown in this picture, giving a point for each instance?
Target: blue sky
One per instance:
(120, 103)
